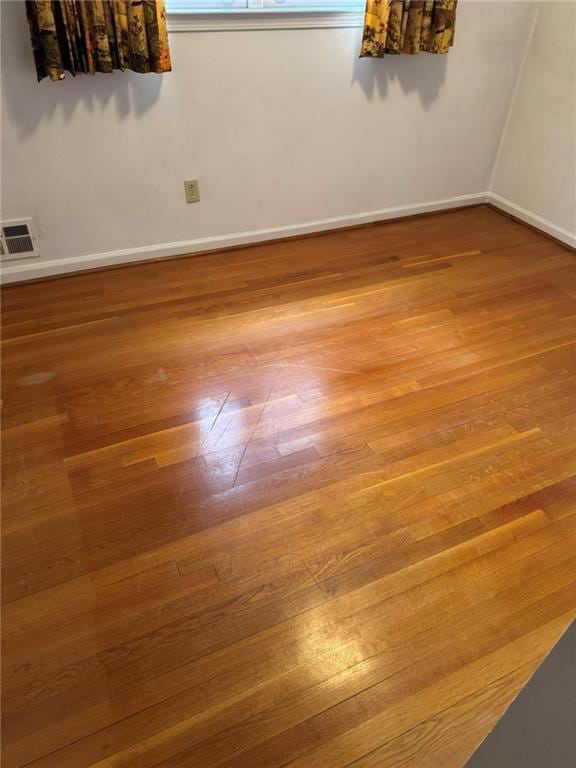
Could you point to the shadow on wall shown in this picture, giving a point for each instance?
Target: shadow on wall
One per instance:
(30, 103)
(424, 73)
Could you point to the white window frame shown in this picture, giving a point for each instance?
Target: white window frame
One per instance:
(256, 16)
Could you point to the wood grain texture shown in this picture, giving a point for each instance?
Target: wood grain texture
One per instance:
(306, 504)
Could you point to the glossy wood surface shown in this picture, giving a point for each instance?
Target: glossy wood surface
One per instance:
(304, 504)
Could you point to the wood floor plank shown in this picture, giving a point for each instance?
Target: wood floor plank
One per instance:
(307, 503)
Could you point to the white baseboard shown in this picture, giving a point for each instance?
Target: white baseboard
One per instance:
(32, 270)
(544, 225)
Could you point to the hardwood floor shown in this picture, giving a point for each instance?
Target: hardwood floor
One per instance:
(306, 504)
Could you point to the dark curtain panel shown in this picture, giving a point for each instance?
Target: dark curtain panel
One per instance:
(88, 36)
(408, 26)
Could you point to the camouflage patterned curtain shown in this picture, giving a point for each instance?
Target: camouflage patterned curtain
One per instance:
(88, 36)
(408, 26)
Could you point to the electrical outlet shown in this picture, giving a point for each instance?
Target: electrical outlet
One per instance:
(192, 190)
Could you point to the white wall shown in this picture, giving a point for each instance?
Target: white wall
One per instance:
(281, 127)
(536, 164)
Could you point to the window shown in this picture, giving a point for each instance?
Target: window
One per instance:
(210, 15)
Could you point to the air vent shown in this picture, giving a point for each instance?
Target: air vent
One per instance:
(18, 240)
